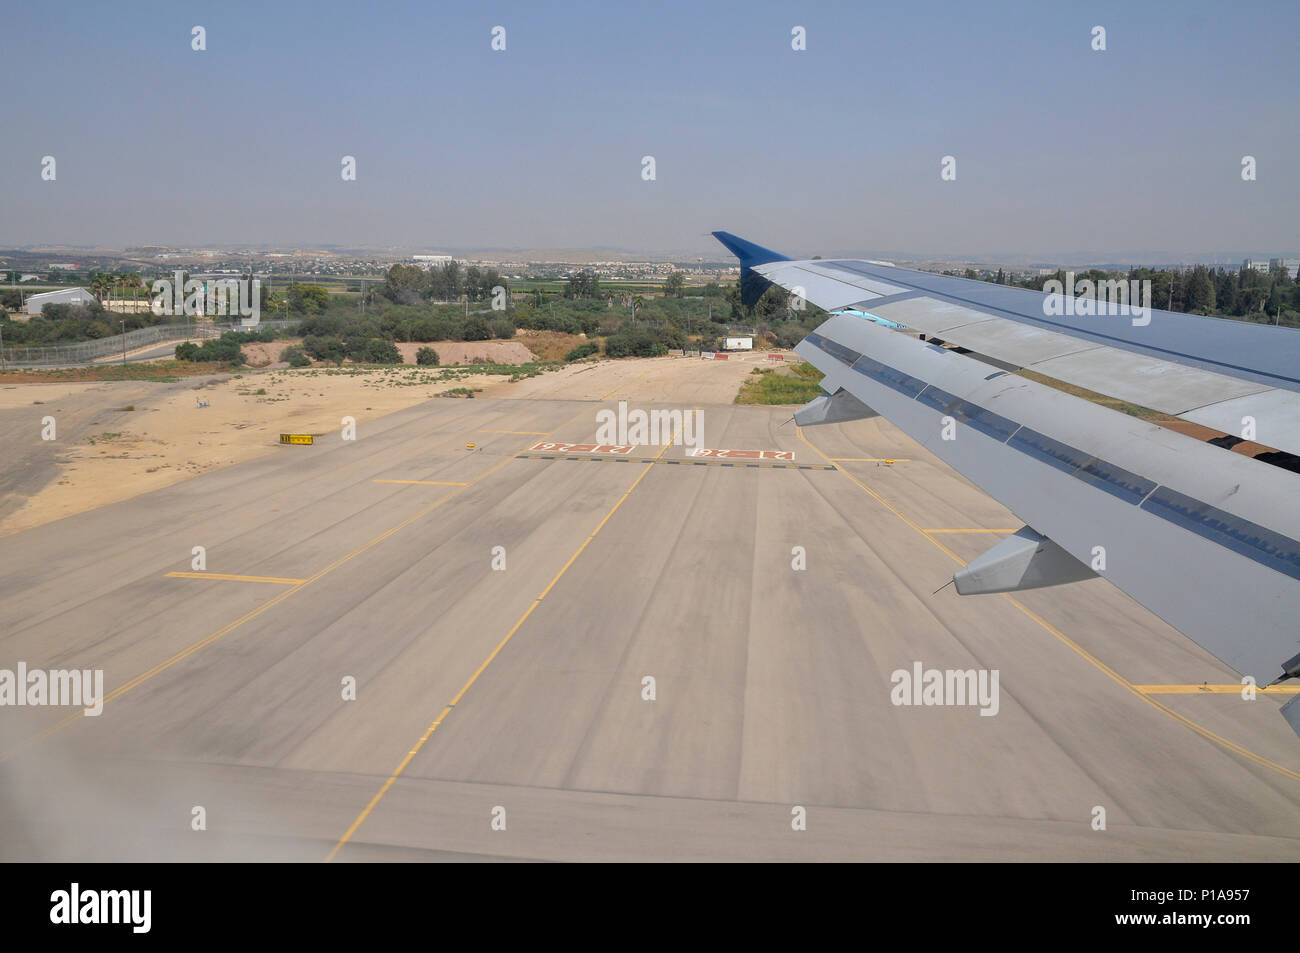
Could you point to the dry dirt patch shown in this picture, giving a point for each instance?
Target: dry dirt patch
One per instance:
(471, 352)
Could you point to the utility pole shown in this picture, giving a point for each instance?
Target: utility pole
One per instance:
(124, 342)
(3, 366)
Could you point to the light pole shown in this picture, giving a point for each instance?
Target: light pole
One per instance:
(124, 342)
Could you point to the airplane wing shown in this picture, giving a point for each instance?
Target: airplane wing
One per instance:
(1193, 521)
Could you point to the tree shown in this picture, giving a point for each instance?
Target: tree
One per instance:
(1200, 290)
(445, 282)
(307, 299)
(476, 329)
(582, 285)
(405, 284)
(674, 285)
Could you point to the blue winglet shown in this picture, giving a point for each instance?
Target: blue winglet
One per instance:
(752, 284)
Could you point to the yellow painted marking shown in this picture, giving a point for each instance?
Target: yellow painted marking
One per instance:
(521, 433)
(433, 726)
(422, 482)
(1080, 650)
(970, 530)
(868, 459)
(247, 616)
(234, 578)
(1214, 689)
(162, 666)
(880, 499)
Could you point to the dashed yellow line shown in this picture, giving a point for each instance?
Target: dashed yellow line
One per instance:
(1080, 650)
(422, 482)
(433, 726)
(970, 531)
(185, 653)
(234, 578)
(247, 617)
(1206, 689)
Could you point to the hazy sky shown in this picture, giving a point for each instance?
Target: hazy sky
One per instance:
(831, 150)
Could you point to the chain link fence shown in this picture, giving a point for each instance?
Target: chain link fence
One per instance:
(87, 352)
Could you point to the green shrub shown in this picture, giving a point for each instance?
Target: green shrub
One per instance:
(381, 351)
(295, 356)
(427, 356)
(581, 351)
(324, 348)
(638, 342)
(223, 350)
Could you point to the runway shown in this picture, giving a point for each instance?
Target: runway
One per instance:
(500, 614)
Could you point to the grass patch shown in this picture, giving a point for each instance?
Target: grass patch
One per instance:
(770, 385)
(159, 372)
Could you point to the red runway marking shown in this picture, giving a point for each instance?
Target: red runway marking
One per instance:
(744, 454)
(547, 447)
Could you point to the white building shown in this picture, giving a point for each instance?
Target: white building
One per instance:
(63, 296)
(739, 344)
(1292, 265)
(1259, 264)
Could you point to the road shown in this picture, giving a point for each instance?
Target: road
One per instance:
(516, 697)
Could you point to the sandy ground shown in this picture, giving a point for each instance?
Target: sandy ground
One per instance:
(449, 352)
(105, 453)
(681, 379)
(471, 352)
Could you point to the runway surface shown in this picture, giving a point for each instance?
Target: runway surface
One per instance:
(515, 697)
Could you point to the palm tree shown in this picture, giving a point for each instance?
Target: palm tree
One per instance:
(136, 284)
(100, 284)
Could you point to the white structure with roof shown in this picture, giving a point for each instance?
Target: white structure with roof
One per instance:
(63, 296)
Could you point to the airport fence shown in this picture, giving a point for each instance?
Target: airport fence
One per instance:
(87, 352)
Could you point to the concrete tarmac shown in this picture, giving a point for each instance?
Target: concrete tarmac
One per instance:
(500, 616)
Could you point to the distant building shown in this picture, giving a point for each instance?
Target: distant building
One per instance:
(1292, 266)
(1259, 264)
(430, 260)
(63, 296)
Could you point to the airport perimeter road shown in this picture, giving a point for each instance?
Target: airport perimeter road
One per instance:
(501, 616)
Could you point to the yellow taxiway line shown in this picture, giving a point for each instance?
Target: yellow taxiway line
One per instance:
(433, 726)
(1206, 689)
(1083, 653)
(234, 578)
(970, 531)
(422, 482)
(291, 589)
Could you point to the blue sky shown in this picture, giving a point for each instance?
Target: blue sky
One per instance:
(831, 150)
